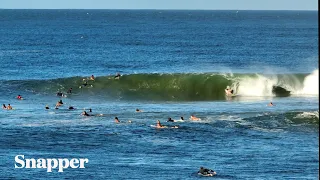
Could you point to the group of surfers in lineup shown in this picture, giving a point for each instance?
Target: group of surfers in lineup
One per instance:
(203, 171)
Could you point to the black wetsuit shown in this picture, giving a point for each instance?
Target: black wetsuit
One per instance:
(170, 120)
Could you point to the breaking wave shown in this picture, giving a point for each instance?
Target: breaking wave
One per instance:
(177, 87)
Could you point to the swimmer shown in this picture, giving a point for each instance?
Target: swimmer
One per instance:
(69, 91)
(19, 97)
(270, 104)
(71, 107)
(138, 110)
(206, 172)
(194, 118)
(91, 77)
(9, 107)
(4, 106)
(116, 120)
(47, 107)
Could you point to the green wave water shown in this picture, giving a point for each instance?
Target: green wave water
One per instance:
(177, 87)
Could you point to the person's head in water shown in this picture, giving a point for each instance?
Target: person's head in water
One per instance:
(71, 107)
(84, 113)
(170, 120)
(47, 107)
(90, 110)
(270, 104)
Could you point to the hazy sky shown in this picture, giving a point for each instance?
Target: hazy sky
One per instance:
(162, 4)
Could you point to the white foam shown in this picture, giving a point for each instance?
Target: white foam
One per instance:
(255, 86)
(311, 84)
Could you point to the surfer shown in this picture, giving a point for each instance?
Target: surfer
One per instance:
(85, 83)
(59, 103)
(117, 76)
(59, 94)
(229, 91)
(194, 118)
(4, 106)
(159, 125)
(170, 120)
(84, 113)
(206, 172)
(9, 107)
(69, 91)
(116, 120)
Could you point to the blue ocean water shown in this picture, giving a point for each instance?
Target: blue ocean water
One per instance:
(173, 64)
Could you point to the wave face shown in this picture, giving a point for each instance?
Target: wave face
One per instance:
(176, 87)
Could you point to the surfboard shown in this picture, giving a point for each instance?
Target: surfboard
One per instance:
(179, 120)
(210, 173)
(163, 127)
(206, 174)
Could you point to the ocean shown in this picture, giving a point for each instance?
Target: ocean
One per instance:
(173, 63)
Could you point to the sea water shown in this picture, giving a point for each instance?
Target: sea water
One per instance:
(173, 64)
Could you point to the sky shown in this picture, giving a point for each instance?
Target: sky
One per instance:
(163, 4)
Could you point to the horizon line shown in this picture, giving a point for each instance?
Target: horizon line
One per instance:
(160, 9)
